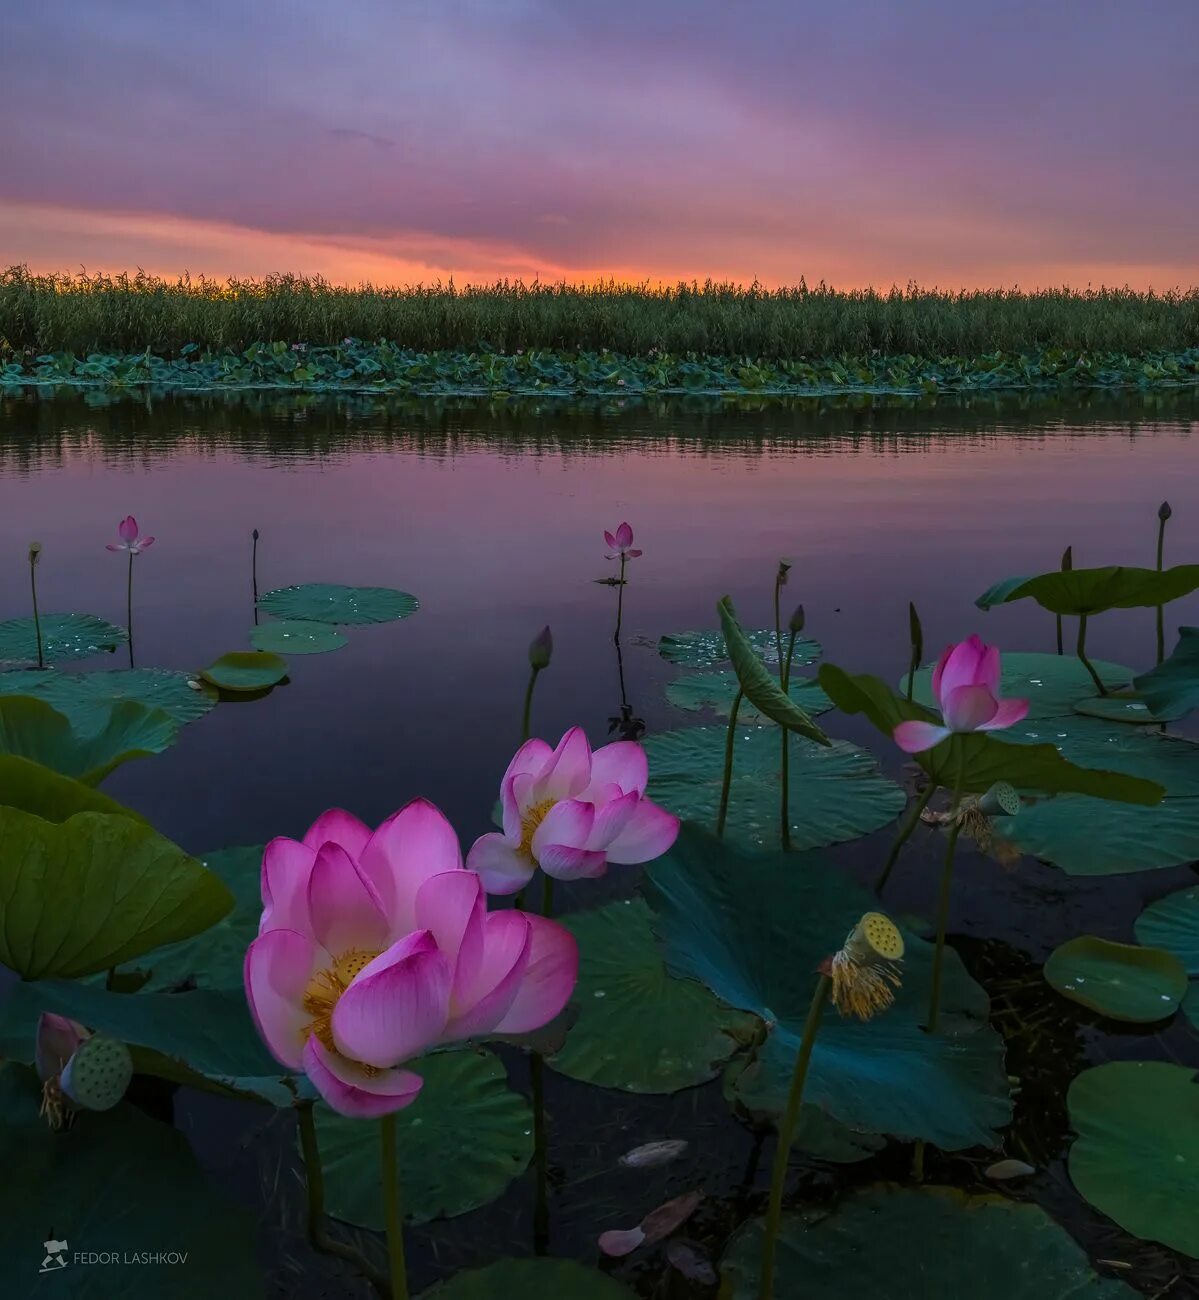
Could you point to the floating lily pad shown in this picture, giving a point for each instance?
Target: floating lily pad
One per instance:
(246, 670)
(533, 1278)
(1172, 923)
(293, 636)
(30, 728)
(465, 1108)
(1120, 980)
(1052, 684)
(94, 891)
(715, 691)
(708, 650)
(927, 1243)
(836, 792)
(64, 636)
(1126, 707)
(120, 1182)
(614, 1042)
(754, 928)
(1174, 685)
(1136, 1158)
(86, 697)
(329, 602)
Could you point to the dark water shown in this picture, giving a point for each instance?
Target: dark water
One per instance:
(493, 516)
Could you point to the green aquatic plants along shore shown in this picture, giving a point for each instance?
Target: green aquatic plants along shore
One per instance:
(369, 985)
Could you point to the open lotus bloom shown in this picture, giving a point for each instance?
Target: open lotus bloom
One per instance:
(375, 946)
(571, 812)
(621, 542)
(966, 689)
(130, 541)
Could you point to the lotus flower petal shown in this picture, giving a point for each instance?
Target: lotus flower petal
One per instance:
(564, 862)
(648, 833)
(568, 771)
(336, 826)
(915, 737)
(486, 1001)
(622, 763)
(345, 909)
(1007, 714)
(410, 846)
(279, 966)
(966, 708)
(127, 529)
(352, 1091)
(286, 869)
(551, 971)
(453, 907)
(57, 1039)
(568, 822)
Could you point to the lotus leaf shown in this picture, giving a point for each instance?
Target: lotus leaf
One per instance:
(328, 602)
(1120, 980)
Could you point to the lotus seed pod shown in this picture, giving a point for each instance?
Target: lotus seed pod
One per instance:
(98, 1075)
(874, 939)
(784, 569)
(35, 552)
(1000, 798)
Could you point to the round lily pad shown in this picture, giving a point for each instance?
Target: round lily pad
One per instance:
(293, 636)
(755, 927)
(836, 792)
(1125, 707)
(707, 649)
(329, 602)
(465, 1108)
(64, 636)
(716, 691)
(1052, 684)
(1120, 980)
(1136, 1158)
(533, 1278)
(85, 697)
(1172, 923)
(246, 670)
(614, 1043)
(924, 1243)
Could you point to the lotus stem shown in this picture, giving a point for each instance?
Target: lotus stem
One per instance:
(620, 600)
(1082, 654)
(254, 571)
(908, 825)
(129, 608)
(951, 843)
(1163, 514)
(1067, 564)
(391, 1205)
(722, 815)
(785, 757)
(525, 724)
(787, 1129)
(314, 1183)
(541, 1202)
(34, 552)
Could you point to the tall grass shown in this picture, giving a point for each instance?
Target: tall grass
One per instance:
(123, 313)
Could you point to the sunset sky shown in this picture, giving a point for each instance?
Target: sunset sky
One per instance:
(958, 142)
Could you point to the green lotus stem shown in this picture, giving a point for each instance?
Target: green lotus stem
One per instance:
(620, 600)
(391, 1206)
(787, 1129)
(722, 815)
(1082, 654)
(34, 551)
(129, 608)
(525, 725)
(1163, 514)
(909, 824)
(934, 996)
(254, 571)
(1067, 564)
(541, 1201)
(785, 758)
(314, 1182)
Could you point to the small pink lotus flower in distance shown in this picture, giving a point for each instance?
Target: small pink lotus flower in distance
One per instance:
(571, 813)
(966, 688)
(130, 541)
(622, 543)
(377, 945)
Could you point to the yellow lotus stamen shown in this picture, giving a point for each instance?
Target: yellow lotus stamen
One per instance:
(867, 969)
(56, 1109)
(530, 822)
(325, 990)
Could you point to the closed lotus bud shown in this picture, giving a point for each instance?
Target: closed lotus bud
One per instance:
(1164, 512)
(1068, 559)
(35, 552)
(796, 622)
(541, 650)
(915, 634)
(254, 534)
(1000, 800)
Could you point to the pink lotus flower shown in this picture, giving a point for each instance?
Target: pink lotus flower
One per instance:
(130, 541)
(376, 945)
(966, 688)
(622, 543)
(571, 812)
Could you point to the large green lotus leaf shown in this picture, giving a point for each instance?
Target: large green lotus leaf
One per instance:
(1120, 980)
(836, 792)
(708, 650)
(918, 1243)
(1168, 761)
(246, 670)
(532, 1278)
(754, 929)
(1172, 923)
(1091, 591)
(205, 1038)
(47, 794)
(1051, 684)
(32, 729)
(1127, 706)
(759, 684)
(294, 636)
(614, 1042)
(1174, 685)
(1136, 1158)
(94, 891)
(716, 691)
(329, 602)
(980, 760)
(64, 636)
(86, 697)
(215, 958)
(460, 1143)
(117, 1182)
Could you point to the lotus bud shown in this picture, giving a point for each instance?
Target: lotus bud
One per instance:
(1164, 512)
(98, 1074)
(1000, 800)
(796, 622)
(35, 552)
(1068, 559)
(541, 650)
(255, 534)
(915, 634)
(867, 969)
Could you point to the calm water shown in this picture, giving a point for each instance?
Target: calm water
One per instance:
(493, 517)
